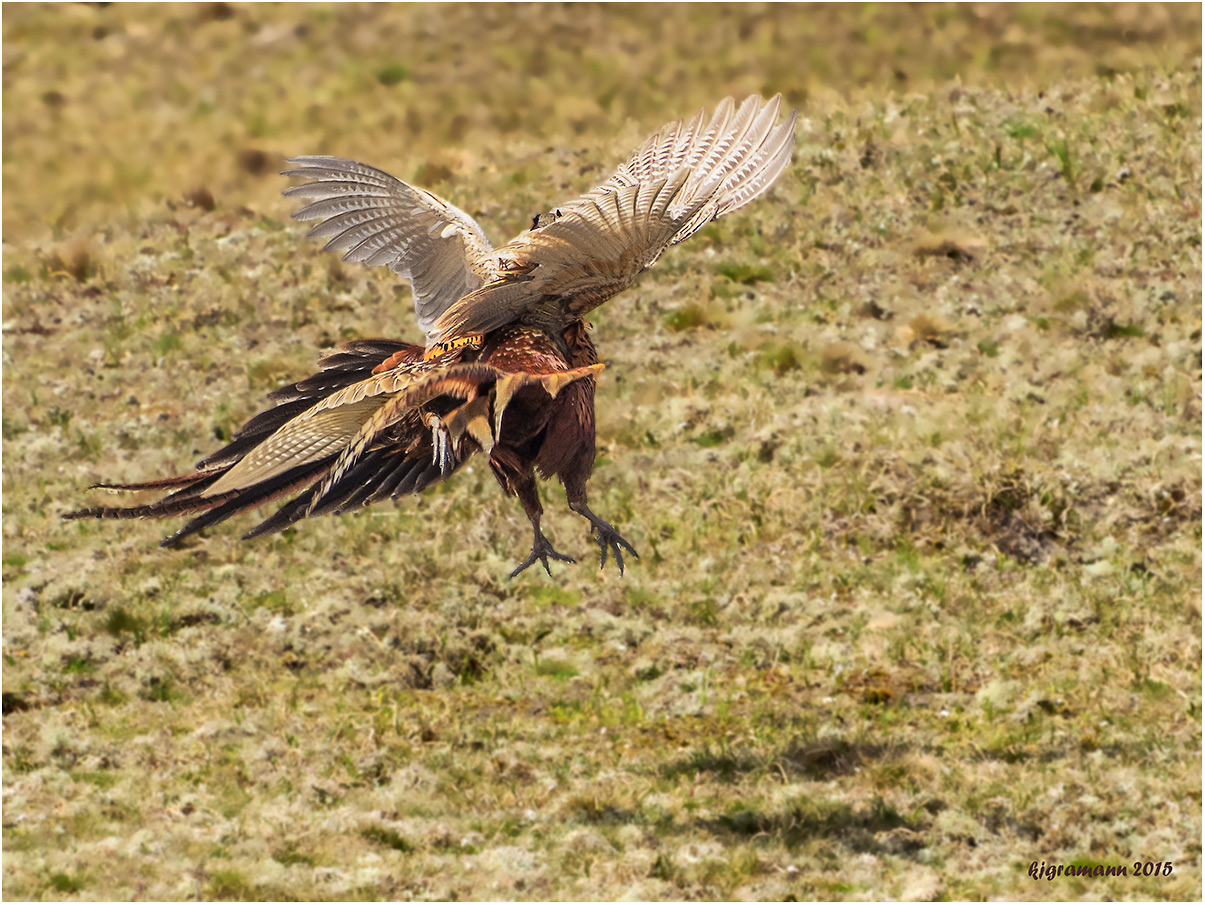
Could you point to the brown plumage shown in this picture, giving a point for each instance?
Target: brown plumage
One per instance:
(508, 369)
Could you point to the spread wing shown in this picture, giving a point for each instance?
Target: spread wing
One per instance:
(683, 177)
(737, 156)
(382, 220)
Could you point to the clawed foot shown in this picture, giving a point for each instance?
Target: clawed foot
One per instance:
(542, 549)
(605, 536)
(443, 453)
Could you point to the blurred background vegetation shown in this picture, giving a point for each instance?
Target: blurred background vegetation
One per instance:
(112, 109)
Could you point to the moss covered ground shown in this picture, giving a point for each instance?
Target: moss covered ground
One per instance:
(910, 449)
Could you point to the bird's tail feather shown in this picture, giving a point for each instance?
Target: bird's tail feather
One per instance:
(349, 363)
(344, 438)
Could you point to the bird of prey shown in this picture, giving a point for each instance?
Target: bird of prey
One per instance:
(507, 369)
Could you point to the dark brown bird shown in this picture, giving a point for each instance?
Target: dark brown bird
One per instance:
(508, 369)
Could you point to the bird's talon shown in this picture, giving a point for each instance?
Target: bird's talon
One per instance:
(606, 536)
(541, 550)
(443, 455)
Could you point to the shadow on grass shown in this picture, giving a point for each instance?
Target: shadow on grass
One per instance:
(819, 760)
(877, 829)
(727, 766)
(822, 760)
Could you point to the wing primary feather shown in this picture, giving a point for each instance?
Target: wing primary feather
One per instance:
(382, 220)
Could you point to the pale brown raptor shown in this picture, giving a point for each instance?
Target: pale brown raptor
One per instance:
(507, 369)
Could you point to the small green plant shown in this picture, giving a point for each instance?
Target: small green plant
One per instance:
(686, 318)
(554, 668)
(389, 838)
(121, 621)
(746, 274)
(781, 359)
(167, 342)
(227, 883)
(1061, 151)
(67, 883)
(393, 74)
(714, 437)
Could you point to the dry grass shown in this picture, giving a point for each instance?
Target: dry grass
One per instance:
(911, 452)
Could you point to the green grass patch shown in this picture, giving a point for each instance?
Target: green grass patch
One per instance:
(393, 74)
(746, 274)
(387, 838)
(909, 447)
(554, 668)
(686, 318)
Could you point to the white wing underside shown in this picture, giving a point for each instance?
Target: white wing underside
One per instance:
(734, 158)
(683, 177)
(382, 220)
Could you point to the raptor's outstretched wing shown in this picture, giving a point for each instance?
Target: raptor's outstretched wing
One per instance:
(683, 177)
(734, 158)
(382, 220)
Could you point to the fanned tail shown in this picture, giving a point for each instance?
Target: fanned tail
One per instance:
(191, 494)
(379, 420)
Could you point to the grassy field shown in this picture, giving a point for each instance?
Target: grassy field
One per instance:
(910, 449)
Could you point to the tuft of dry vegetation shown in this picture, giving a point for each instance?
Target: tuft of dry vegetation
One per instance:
(911, 451)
